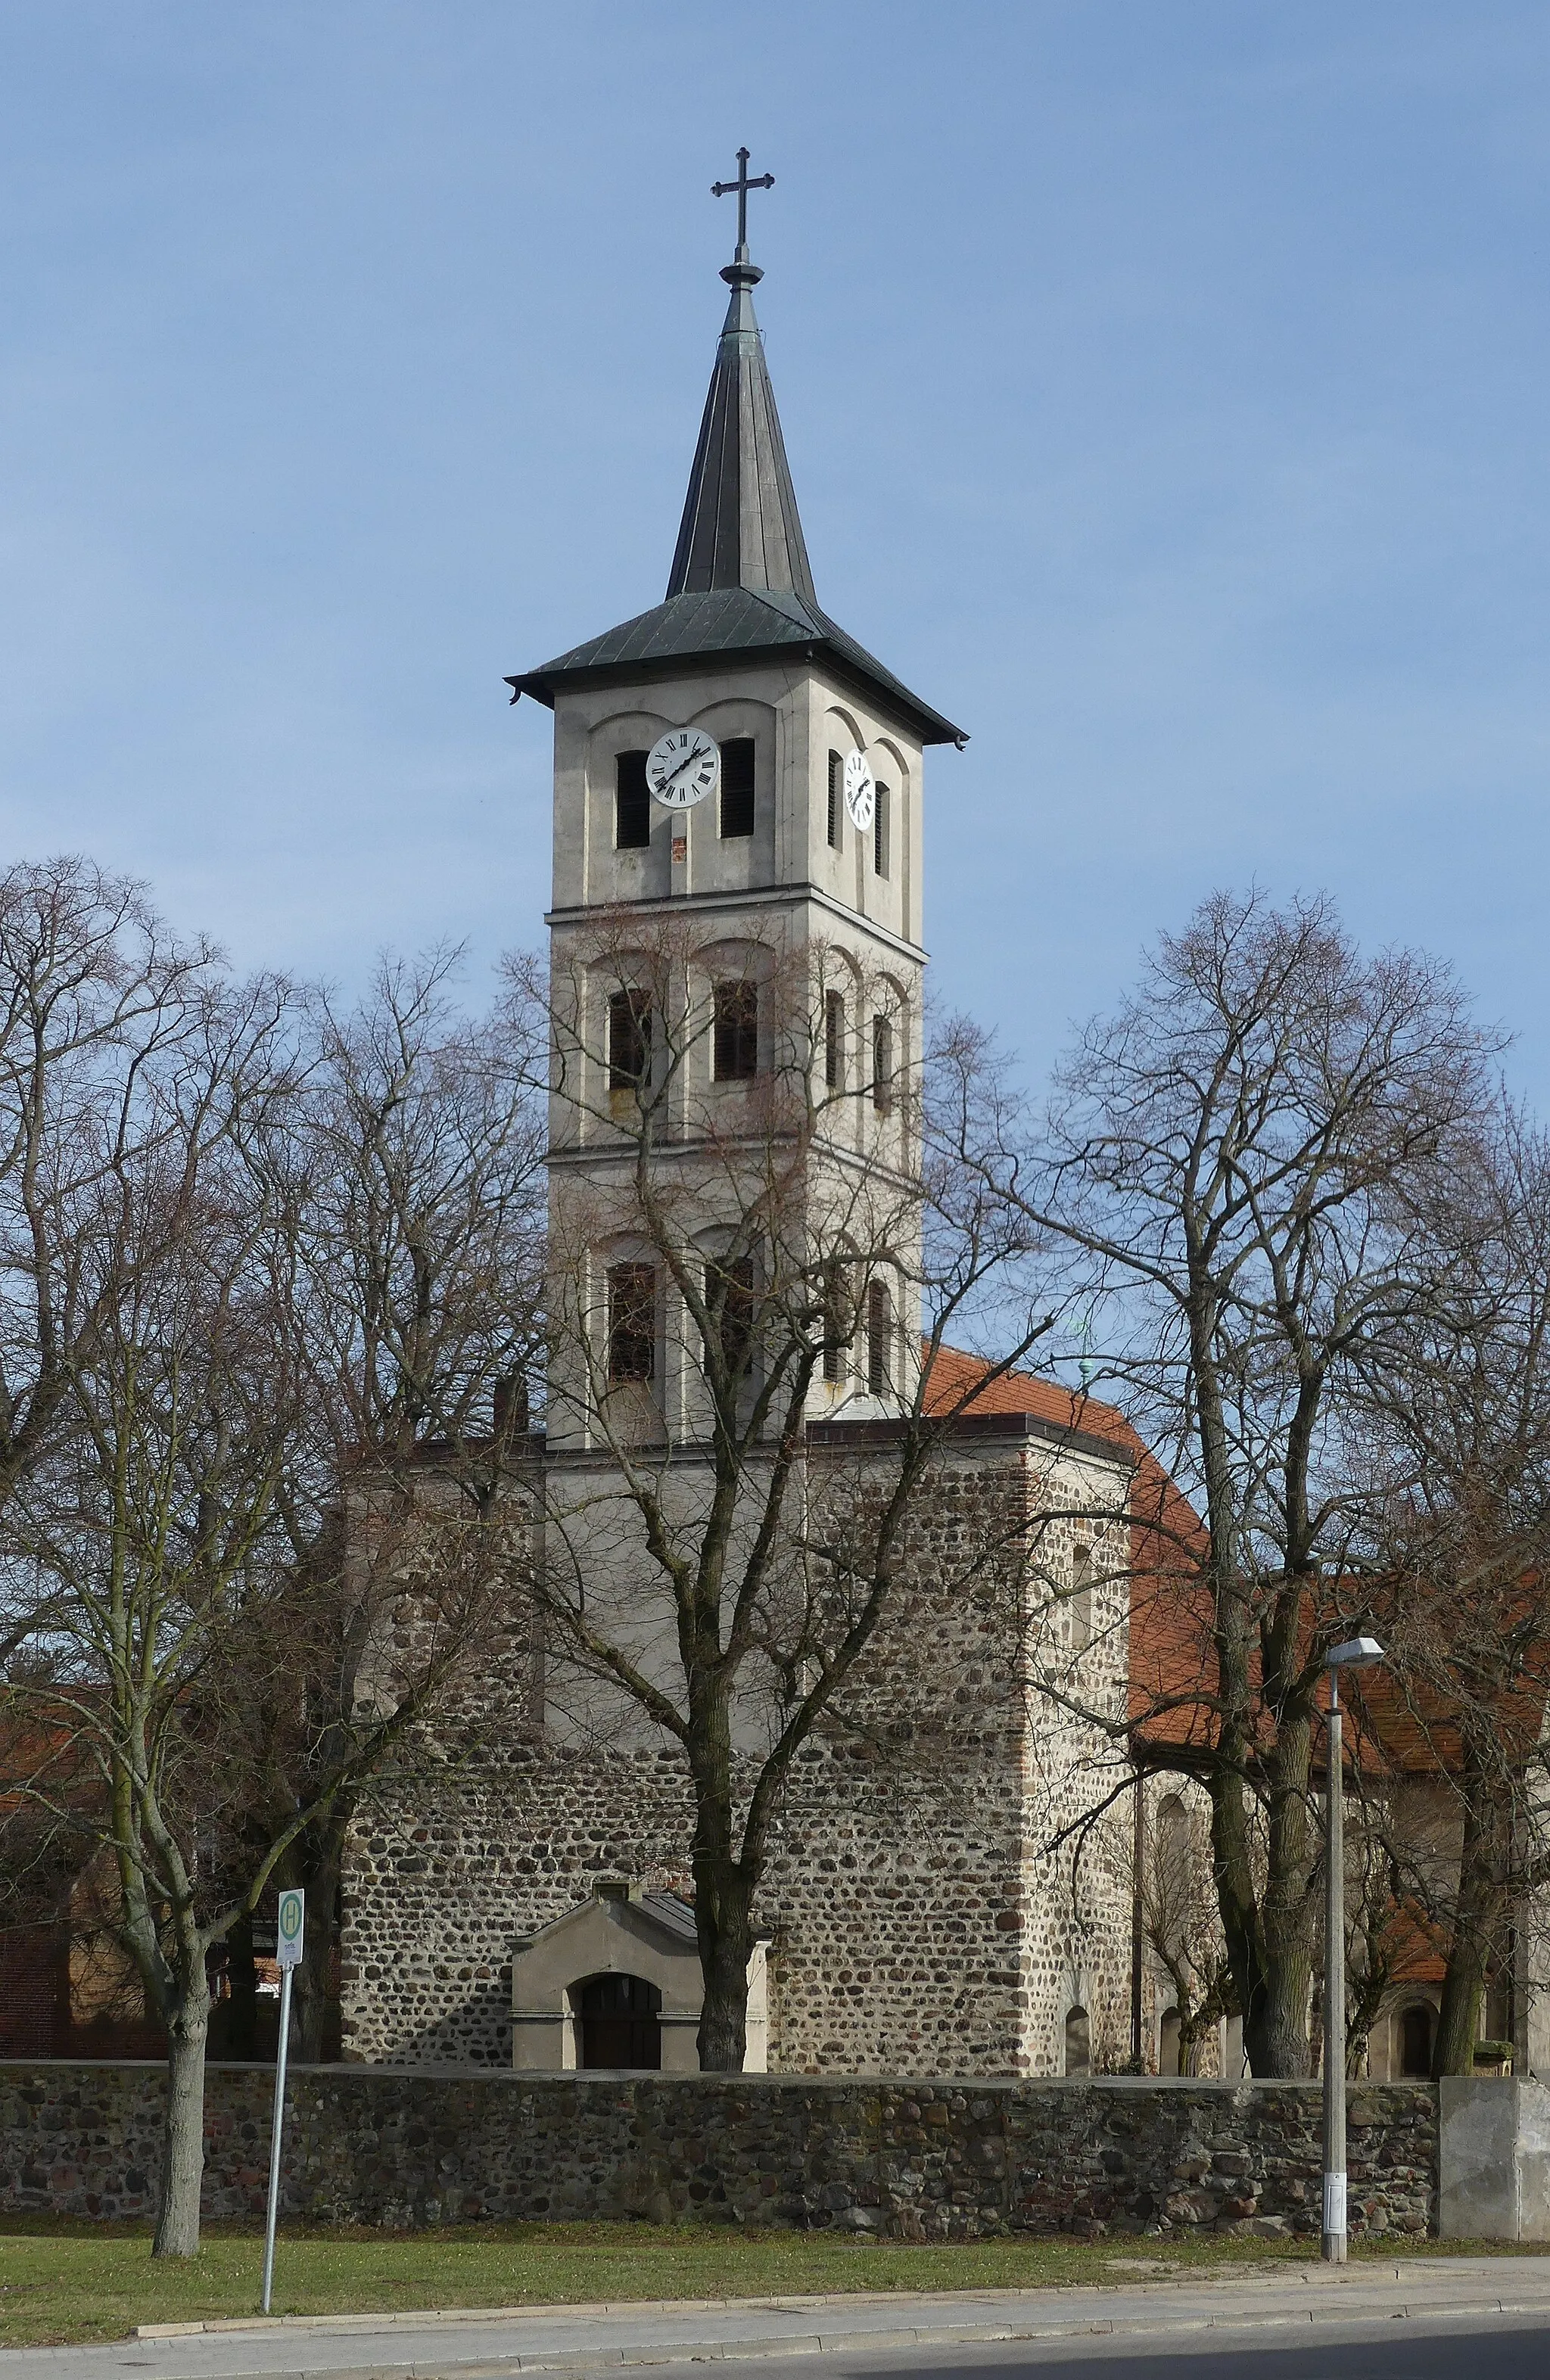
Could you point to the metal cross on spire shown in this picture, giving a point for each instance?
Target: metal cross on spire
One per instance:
(744, 183)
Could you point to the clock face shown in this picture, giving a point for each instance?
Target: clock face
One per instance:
(860, 795)
(682, 767)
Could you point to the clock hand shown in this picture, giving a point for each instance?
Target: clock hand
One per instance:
(683, 764)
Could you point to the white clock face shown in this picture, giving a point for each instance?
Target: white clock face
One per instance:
(861, 793)
(682, 767)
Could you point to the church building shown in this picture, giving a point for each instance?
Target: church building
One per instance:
(739, 802)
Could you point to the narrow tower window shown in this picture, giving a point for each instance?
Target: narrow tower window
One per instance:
(836, 788)
(880, 834)
(882, 1064)
(737, 1031)
(737, 787)
(837, 1324)
(632, 803)
(834, 1041)
(878, 1368)
(631, 1323)
(630, 1039)
(1081, 1597)
(733, 1280)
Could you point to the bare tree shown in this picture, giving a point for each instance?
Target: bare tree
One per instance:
(1239, 1161)
(414, 1175)
(1181, 1926)
(205, 1662)
(95, 995)
(760, 1180)
(1455, 1439)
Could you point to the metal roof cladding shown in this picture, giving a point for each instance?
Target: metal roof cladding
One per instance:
(741, 582)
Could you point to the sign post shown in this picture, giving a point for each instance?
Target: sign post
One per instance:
(288, 1947)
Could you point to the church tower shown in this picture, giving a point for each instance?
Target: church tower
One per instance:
(737, 800)
(738, 1269)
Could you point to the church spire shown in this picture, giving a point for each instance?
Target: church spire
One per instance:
(740, 527)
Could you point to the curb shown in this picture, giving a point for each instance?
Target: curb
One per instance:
(1323, 2301)
(1318, 2276)
(860, 2341)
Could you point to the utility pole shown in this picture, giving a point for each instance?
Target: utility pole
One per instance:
(1361, 1653)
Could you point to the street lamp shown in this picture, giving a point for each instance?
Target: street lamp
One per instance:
(1361, 1653)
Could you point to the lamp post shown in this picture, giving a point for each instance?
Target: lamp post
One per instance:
(1361, 1653)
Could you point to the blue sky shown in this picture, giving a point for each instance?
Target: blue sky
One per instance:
(1165, 383)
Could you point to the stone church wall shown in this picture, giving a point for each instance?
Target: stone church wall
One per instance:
(919, 1921)
(443, 1876)
(905, 2160)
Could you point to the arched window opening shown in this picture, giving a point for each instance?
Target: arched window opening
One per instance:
(880, 834)
(631, 1323)
(834, 1041)
(1167, 2045)
(882, 1064)
(1417, 2027)
(1079, 2042)
(731, 1284)
(618, 2022)
(630, 1039)
(1081, 1596)
(879, 1328)
(632, 803)
(1173, 1859)
(737, 1031)
(836, 801)
(838, 1323)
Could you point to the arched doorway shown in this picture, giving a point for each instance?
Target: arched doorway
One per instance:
(1416, 2032)
(1079, 2042)
(618, 2022)
(1167, 2047)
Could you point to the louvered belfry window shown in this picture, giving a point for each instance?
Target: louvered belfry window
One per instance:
(732, 1281)
(630, 1039)
(880, 834)
(737, 1031)
(837, 1318)
(836, 798)
(631, 1323)
(878, 1334)
(834, 1041)
(632, 803)
(882, 1064)
(737, 787)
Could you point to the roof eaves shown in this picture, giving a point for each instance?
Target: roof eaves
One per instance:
(651, 647)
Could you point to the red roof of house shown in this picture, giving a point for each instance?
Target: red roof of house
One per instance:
(1390, 1726)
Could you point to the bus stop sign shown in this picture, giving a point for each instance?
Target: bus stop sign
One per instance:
(288, 1933)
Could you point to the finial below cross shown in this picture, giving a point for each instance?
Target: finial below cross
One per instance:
(744, 183)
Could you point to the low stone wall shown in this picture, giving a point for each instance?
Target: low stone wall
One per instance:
(410, 2147)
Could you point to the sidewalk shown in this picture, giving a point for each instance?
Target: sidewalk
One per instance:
(470, 2345)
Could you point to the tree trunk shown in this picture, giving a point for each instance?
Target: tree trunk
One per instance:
(1477, 1923)
(722, 1912)
(183, 2136)
(323, 1861)
(1278, 2046)
(1458, 2017)
(1269, 1930)
(1269, 1953)
(242, 2025)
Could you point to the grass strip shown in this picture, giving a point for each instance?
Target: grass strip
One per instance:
(64, 2280)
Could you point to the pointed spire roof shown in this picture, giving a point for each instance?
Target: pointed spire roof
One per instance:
(740, 583)
(740, 526)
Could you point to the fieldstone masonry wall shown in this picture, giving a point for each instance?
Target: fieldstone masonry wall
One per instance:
(919, 1921)
(906, 2160)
